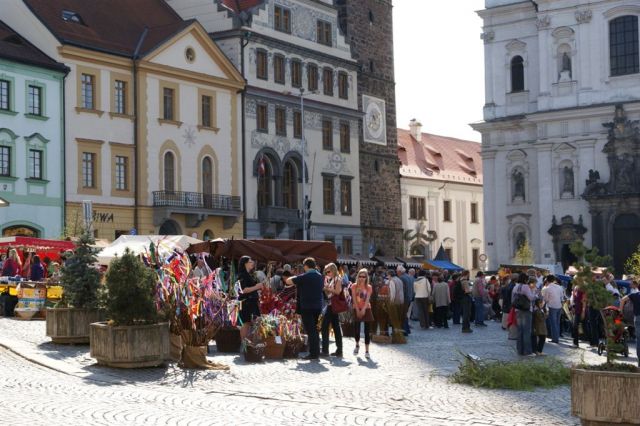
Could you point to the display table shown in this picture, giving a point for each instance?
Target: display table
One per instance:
(33, 297)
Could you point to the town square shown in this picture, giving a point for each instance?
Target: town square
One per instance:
(320, 212)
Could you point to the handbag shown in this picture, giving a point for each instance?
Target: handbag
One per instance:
(339, 304)
(521, 302)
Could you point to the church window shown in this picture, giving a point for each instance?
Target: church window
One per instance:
(623, 45)
(517, 74)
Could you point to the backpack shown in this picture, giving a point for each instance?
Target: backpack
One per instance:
(521, 302)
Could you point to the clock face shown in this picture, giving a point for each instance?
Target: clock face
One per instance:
(374, 120)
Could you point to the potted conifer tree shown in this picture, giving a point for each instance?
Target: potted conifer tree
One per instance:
(68, 321)
(600, 394)
(133, 337)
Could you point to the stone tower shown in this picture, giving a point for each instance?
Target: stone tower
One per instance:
(368, 26)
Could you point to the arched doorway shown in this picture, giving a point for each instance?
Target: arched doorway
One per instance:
(626, 237)
(20, 231)
(170, 227)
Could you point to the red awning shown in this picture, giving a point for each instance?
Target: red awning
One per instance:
(37, 244)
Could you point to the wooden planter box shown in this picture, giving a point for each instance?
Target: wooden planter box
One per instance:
(71, 325)
(605, 397)
(274, 350)
(132, 346)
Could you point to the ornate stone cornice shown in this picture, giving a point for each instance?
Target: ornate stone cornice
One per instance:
(488, 36)
(543, 22)
(583, 16)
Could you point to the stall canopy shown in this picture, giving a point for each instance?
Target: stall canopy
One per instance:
(140, 244)
(289, 251)
(389, 262)
(355, 260)
(410, 263)
(441, 264)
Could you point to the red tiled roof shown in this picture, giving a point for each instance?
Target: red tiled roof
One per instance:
(113, 26)
(238, 6)
(439, 157)
(16, 48)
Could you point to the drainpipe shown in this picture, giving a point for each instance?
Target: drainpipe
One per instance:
(244, 41)
(136, 120)
(63, 149)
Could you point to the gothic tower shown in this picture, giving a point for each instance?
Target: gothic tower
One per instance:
(368, 26)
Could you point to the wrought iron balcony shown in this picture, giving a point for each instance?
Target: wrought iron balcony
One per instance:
(197, 201)
(279, 214)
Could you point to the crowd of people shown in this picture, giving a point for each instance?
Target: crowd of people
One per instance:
(29, 266)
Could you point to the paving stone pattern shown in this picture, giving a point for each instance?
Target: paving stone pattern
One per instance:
(43, 383)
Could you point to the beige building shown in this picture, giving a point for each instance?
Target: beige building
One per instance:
(152, 117)
(441, 186)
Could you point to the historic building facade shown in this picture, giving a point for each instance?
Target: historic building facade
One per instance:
(368, 28)
(31, 139)
(152, 117)
(301, 85)
(559, 139)
(441, 187)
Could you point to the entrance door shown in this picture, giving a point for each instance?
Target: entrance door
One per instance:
(626, 237)
(566, 257)
(169, 227)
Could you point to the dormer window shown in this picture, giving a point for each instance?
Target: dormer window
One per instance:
(71, 16)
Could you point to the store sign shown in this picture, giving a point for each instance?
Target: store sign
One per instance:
(99, 217)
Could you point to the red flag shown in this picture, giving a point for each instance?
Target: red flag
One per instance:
(261, 167)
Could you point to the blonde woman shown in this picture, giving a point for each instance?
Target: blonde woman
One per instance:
(361, 295)
(12, 265)
(332, 289)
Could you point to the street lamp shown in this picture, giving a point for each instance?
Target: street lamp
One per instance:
(303, 144)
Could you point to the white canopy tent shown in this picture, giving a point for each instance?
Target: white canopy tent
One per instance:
(140, 244)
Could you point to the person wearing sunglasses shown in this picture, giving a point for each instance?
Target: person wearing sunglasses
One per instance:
(361, 295)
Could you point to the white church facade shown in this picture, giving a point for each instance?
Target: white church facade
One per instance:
(560, 145)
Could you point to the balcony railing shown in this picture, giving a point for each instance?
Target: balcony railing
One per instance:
(196, 200)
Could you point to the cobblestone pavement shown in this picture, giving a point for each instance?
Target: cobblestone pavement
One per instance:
(43, 383)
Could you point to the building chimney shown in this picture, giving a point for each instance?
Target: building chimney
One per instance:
(415, 128)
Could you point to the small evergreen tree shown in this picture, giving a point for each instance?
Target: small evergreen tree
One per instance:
(632, 264)
(524, 254)
(79, 278)
(130, 295)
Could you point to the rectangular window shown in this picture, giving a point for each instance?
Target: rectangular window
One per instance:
(282, 19)
(417, 209)
(312, 76)
(327, 81)
(345, 137)
(88, 88)
(5, 161)
(261, 65)
(120, 94)
(262, 118)
(168, 97)
(296, 73)
(278, 69)
(327, 195)
(449, 253)
(297, 125)
(34, 106)
(88, 170)
(35, 164)
(206, 111)
(281, 122)
(343, 85)
(327, 135)
(121, 172)
(447, 211)
(347, 245)
(324, 33)
(474, 258)
(345, 197)
(623, 45)
(5, 95)
(474, 212)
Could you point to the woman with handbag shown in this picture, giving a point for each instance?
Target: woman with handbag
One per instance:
(522, 300)
(361, 295)
(337, 304)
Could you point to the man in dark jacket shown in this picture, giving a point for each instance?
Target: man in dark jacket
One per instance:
(309, 287)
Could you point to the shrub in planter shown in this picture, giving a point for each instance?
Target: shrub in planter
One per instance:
(133, 337)
(68, 321)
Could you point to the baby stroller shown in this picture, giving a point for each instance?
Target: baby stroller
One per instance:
(615, 329)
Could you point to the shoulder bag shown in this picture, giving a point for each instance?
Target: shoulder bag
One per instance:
(521, 302)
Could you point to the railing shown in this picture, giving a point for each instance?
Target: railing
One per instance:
(279, 214)
(196, 200)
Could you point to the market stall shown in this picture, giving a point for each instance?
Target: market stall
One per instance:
(389, 262)
(355, 260)
(140, 244)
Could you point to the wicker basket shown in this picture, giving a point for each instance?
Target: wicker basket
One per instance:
(254, 352)
(228, 340)
(292, 348)
(379, 338)
(274, 350)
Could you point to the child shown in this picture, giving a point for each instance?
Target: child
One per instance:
(539, 327)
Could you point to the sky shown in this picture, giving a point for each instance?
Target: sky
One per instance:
(439, 65)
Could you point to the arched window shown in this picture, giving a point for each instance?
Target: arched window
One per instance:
(208, 235)
(517, 74)
(207, 176)
(564, 62)
(518, 192)
(623, 45)
(290, 186)
(265, 183)
(169, 171)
